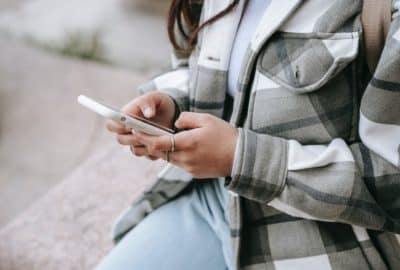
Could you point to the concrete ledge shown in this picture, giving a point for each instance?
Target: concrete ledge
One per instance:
(69, 228)
(44, 133)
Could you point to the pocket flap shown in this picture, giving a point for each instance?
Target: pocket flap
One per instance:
(304, 62)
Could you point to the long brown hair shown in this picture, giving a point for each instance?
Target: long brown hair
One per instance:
(184, 16)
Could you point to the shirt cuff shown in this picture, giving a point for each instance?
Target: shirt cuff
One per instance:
(260, 166)
(236, 154)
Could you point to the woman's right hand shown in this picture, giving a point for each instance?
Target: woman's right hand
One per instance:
(154, 106)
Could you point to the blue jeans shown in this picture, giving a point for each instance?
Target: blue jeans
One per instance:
(190, 232)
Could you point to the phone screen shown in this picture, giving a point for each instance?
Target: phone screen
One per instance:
(152, 123)
(140, 119)
(109, 111)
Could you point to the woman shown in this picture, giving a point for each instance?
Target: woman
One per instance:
(306, 174)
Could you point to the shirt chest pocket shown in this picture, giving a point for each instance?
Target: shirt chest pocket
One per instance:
(299, 90)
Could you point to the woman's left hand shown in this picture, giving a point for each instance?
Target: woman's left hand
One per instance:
(206, 150)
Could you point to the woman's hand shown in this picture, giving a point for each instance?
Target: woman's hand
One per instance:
(206, 150)
(155, 106)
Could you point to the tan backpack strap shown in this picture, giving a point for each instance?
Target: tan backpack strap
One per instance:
(376, 18)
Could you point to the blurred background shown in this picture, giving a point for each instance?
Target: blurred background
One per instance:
(57, 162)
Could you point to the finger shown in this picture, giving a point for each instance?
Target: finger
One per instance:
(152, 158)
(139, 151)
(148, 104)
(148, 108)
(190, 120)
(128, 139)
(151, 150)
(184, 140)
(132, 108)
(117, 127)
(174, 158)
(156, 143)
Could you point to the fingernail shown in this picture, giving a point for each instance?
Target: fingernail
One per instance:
(133, 131)
(148, 112)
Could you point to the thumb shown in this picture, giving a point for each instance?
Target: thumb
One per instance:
(190, 120)
(148, 106)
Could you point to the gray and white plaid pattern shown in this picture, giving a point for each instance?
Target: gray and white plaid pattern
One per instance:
(316, 178)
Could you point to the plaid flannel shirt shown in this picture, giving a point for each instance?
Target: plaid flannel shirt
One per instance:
(316, 175)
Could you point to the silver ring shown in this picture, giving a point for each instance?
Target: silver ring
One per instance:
(172, 143)
(167, 155)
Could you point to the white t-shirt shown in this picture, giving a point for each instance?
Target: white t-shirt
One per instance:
(252, 15)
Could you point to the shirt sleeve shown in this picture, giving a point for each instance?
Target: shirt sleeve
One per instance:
(174, 83)
(357, 184)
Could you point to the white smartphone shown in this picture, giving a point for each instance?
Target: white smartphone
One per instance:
(131, 122)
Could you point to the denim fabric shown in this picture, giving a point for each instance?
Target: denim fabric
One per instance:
(190, 232)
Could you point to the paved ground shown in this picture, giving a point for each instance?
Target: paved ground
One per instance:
(44, 134)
